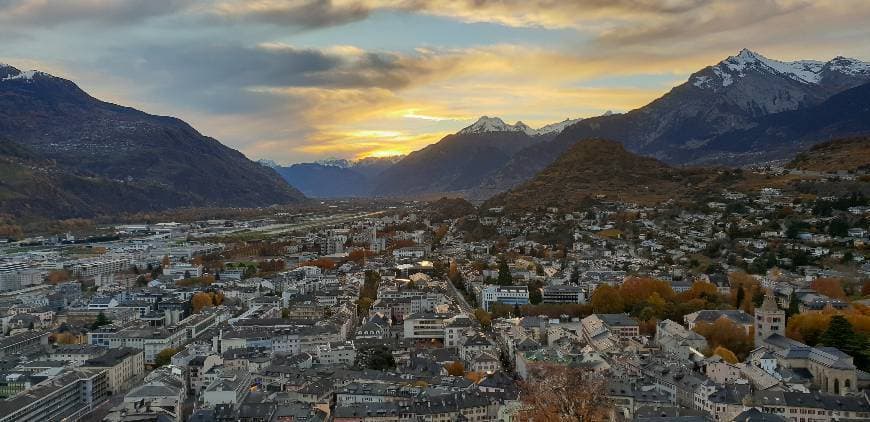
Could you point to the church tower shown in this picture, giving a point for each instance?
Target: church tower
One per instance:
(769, 320)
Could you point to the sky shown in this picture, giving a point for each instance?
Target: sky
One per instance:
(300, 80)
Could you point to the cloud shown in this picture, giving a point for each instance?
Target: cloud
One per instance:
(55, 12)
(301, 14)
(232, 78)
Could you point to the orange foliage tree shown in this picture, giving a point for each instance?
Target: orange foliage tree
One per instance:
(206, 300)
(637, 290)
(809, 327)
(725, 354)
(322, 263)
(725, 333)
(455, 368)
(606, 299)
(831, 287)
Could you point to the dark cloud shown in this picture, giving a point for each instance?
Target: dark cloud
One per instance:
(54, 12)
(300, 14)
(230, 78)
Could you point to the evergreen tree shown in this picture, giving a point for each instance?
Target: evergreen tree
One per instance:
(793, 306)
(839, 332)
(575, 276)
(504, 274)
(101, 321)
(741, 294)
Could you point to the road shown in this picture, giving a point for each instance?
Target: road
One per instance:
(460, 299)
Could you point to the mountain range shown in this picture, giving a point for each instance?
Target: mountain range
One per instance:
(743, 110)
(336, 178)
(455, 164)
(67, 154)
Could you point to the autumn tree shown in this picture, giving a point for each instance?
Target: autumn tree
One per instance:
(561, 393)
(725, 354)
(455, 368)
(606, 299)
(65, 338)
(58, 276)
(483, 317)
(725, 333)
(201, 300)
(831, 287)
(637, 290)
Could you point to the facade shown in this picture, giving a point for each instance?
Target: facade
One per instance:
(563, 294)
(508, 295)
(769, 320)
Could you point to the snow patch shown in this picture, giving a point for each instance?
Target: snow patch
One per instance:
(495, 124)
(27, 75)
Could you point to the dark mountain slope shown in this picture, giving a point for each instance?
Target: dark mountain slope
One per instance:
(456, 163)
(604, 170)
(161, 162)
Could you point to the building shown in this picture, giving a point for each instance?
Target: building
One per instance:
(563, 294)
(769, 320)
(676, 340)
(121, 365)
(69, 395)
(507, 295)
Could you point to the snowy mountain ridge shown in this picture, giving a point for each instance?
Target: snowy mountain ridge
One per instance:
(809, 72)
(495, 124)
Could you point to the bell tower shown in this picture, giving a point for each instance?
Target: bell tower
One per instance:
(769, 320)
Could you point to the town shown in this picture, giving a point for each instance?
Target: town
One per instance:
(745, 306)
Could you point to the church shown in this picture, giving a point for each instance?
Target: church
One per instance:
(827, 368)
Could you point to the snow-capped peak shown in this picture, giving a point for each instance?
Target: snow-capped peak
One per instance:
(746, 61)
(557, 127)
(495, 124)
(489, 124)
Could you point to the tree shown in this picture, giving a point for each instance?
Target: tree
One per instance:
(363, 305)
(793, 306)
(455, 368)
(807, 328)
(504, 274)
(725, 333)
(725, 354)
(831, 287)
(483, 317)
(561, 393)
(101, 321)
(65, 338)
(379, 358)
(607, 300)
(741, 294)
(839, 332)
(58, 276)
(200, 300)
(164, 357)
(165, 262)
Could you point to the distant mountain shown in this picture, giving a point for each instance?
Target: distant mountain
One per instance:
(458, 162)
(336, 178)
(598, 169)
(850, 154)
(692, 123)
(487, 124)
(782, 135)
(87, 157)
